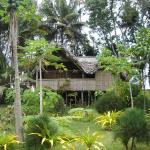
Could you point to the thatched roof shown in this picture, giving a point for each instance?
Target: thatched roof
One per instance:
(87, 64)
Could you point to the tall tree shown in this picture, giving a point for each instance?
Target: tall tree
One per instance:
(40, 53)
(13, 41)
(63, 24)
(117, 21)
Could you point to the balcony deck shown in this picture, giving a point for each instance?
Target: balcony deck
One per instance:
(85, 84)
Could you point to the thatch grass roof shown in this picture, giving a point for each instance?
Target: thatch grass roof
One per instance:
(87, 64)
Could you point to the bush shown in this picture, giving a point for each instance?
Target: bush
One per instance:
(108, 120)
(109, 102)
(8, 141)
(30, 101)
(9, 96)
(53, 102)
(38, 128)
(83, 114)
(139, 101)
(122, 89)
(132, 125)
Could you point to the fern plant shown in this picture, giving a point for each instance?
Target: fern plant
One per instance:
(90, 140)
(41, 132)
(108, 119)
(7, 141)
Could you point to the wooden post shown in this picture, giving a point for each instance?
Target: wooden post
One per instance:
(17, 104)
(41, 92)
(82, 97)
(36, 71)
(88, 98)
(82, 92)
(66, 98)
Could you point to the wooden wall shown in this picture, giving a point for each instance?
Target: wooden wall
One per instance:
(102, 81)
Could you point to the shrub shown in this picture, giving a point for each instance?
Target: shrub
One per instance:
(132, 125)
(53, 102)
(122, 89)
(109, 102)
(30, 101)
(108, 120)
(90, 140)
(139, 101)
(40, 132)
(9, 96)
(83, 114)
(8, 141)
(7, 118)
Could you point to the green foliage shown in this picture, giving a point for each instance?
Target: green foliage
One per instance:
(7, 118)
(132, 124)
(98, 93)
(53, 102)
(82, 114)
(130, 15)
(122, 90)
(36, 50)
(40, 132)
(116, 65)
(109, 102)
(7, 141)
(30, 101)
(9, 95)
(90, 140)
(108, 119)
(139, 101)
(139, 52)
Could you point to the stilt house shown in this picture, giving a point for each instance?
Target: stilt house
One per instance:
(82, 78)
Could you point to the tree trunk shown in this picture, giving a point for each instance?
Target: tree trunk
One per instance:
(41, 92)
(133, 143)
(36, 77)
(126, 146)
(17, 103)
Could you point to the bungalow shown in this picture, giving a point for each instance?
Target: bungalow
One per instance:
(82, 78)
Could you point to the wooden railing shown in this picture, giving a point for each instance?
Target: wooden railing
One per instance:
(85, 84)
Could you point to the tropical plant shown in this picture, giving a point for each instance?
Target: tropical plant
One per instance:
(7, 118)
(109, 101)
(53, 102)
(132, 125)
(41, 132)
(63, 24)
(8, 141)
(108, 119)
(66, 142)
(9, 95)
(90, 140)
(40, 53)
(83, 114)
(13, 34)
(30, 102)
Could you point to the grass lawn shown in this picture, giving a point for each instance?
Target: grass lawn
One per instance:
(74, 128)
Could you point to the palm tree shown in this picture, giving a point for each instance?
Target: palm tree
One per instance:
(62, 17)
(13, 41)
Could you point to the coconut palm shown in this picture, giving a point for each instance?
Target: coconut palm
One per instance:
(13, 34)
(62, 21)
